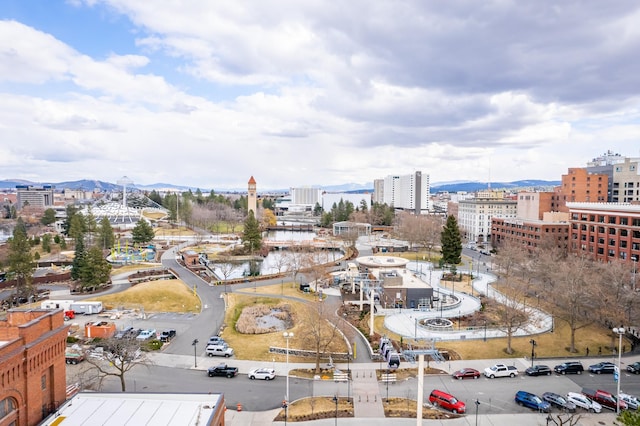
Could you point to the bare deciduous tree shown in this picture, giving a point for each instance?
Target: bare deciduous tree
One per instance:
(576, 280)
(119, 357)
(297, 259)
(320, 331)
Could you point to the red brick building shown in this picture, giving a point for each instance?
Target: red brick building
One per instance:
(580, 185)
(531, 233)
(605, 231)
(32, 365)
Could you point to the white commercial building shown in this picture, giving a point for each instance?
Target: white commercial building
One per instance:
(474, 215)
(408, 192)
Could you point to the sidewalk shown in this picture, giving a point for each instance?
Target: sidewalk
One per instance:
(264, 418)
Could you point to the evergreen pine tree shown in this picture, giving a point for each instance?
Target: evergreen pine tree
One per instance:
(142, 233)
(251, 237)
(106, 237)
(95, 269)
(78, 260)
(451, 242)
(20, 260)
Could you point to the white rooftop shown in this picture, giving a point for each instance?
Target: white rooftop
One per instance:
(171, 409)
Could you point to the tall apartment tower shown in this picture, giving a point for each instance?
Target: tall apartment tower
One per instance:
(626, 181)
(252, 197)
(378, 191)
(408, 192)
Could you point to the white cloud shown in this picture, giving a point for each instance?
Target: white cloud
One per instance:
(300, 93)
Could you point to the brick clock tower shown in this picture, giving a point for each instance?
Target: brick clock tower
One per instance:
(252, 198)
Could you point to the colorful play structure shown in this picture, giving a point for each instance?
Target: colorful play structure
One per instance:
(131, 254)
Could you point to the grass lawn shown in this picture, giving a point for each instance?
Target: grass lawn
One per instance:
(134, 267)
(289, 289)
(154, 296)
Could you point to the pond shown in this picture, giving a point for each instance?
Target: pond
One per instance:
(274, 262)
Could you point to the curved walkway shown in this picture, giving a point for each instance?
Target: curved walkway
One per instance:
(405, 322)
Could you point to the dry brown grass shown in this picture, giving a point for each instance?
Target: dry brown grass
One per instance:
(163, 232)
(256, 346)
(318, 407)
(134, 267)
(154, 296)
(290, 289)
(307, 409)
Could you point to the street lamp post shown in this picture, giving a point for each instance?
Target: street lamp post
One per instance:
(620, 332)
(195, 353)
(533, 347)
(477, 405)
(485, 331)
(335, 399)
(287, 336)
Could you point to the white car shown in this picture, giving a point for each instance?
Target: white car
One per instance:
(146, 335)
(584, 402)
(262, 373)
(631, 401)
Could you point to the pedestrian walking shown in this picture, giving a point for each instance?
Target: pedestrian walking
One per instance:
(587, 350)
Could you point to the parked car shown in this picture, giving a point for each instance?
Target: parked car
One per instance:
(538, 370)
(584, 402)
(634, 368)
(602, 368)
(219, 350)
(604, 398)
(570, 367)
(533, 401)
(124, 333)
(500, 370)
(632, 402)
(447, 401)
(262, 373)
(222, 370)
(559, 401)
(167, 335)
(466, 373)
(216, 340)
(146, 335)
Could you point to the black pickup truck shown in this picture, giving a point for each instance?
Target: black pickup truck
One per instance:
(222, 370)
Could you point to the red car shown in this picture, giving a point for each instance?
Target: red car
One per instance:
(466, 373)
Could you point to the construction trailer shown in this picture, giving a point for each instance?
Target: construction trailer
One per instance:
(87, 308)
(57, 304)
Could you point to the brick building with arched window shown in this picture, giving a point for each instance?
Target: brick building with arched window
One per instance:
(32, 365)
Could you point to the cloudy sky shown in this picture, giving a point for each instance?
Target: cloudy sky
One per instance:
(207, 93)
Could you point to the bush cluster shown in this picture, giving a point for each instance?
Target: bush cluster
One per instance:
(249, 320)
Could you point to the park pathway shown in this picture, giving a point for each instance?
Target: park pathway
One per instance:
(367, 401)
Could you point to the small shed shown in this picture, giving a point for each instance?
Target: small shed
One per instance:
(190, 258)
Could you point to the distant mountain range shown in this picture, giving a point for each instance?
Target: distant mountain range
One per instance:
(454, 186)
